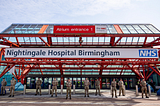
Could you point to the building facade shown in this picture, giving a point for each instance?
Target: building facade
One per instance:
(79, 51)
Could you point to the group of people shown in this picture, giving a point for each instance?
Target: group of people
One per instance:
(69, 85)
(86, 87)
(12, 87)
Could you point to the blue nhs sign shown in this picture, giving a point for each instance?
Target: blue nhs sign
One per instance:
(148, 53)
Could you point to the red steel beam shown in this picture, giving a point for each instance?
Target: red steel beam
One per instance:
(17, 40)
(135, 72)
(83, 62)
(154, 70)
(117, 41)
(145, 41)
(112, 41)
(149, 75)
(82, 35)
(6, 70)
(41, 70)
(44, 41)
(4, 39)
(49, 40)
(151, 43)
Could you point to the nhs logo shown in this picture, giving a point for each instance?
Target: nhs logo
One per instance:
(148, 53)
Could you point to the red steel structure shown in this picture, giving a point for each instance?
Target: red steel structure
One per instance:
(142, 68)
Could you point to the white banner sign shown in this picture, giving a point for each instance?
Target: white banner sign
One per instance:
(100, 28)
(80, 53)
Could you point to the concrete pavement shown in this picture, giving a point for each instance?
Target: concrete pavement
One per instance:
(77, 99)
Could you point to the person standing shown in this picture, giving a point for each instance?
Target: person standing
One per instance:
(68, 84)
(38, 86)
(3, 86)
(121, 87)
(12, 87)
(113, 84)
(86, 87)
(54, 87)
(97, 84)
(152, 85)
(143, 87)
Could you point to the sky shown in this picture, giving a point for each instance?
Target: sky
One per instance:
(79, 11)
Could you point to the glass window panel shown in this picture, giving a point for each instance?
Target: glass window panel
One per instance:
(76, 39)
(12, 39)
(131, 29)
(66, 39)
(101, 39)
(71, 39)
(54, 39)
(153, 29)
(20, 39)
(145, 29)
(124, 29)
(38, 40)
(150, 39)
(135, 39)
(129, 39)
(107, 39)
(111, 29)
(95, 39)
(45, 39)
(60, 39)
(89, 39)
(84, 39)
(138, 29)
(141, 39)
(123, 39)
(27, 39)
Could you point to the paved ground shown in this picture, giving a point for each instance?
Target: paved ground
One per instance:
(78, 99)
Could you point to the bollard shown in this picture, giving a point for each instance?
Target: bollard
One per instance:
(111, 90)
(61, 89)
(124, 89)
(73, 89)
(49, 89)
(137, 90)
(24, 90)
(149, 89)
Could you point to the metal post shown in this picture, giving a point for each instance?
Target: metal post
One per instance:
(61, 89)
(111, 90)
(49, 89)
(73, 89)
(24, 90)
(137, 90)
(149, 89)
(124, 89)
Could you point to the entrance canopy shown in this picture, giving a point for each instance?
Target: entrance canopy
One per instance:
(95, 37)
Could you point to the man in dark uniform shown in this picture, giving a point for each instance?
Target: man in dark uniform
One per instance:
(68, 84)
(144, 88)
(86, 87)
(12, 87)
(113, 84)
(97, 84)
(54, 87)
(38, 86)
(121, 87)
(3, 86)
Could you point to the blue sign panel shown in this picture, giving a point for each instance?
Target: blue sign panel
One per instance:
(148, 53)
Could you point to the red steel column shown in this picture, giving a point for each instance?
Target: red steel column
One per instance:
(100, 80)
(62, 81)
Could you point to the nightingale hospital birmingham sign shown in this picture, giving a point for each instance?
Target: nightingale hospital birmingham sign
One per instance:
(80, 53)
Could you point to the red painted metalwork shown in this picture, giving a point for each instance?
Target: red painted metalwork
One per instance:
(77, 35)
(44, 41)
(11, 43)
(26, 65)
